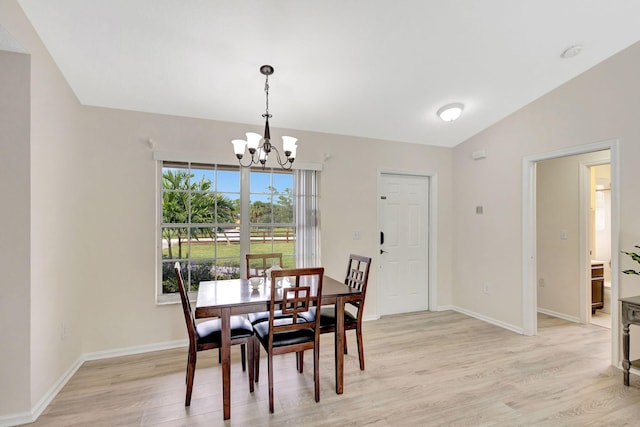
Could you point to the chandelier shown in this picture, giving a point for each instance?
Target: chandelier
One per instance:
(260, 146)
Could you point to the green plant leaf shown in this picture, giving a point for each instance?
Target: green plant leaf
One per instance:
(634, 256)
(631, 272)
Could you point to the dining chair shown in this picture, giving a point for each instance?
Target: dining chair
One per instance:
(258, 264)
(357, 278)
(294, 334)
(208, 335)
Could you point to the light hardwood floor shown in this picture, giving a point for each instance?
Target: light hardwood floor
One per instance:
(423, 369)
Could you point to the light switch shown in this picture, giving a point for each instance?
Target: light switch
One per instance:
(564, 235)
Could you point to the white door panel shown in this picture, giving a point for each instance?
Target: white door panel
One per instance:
(404, 264)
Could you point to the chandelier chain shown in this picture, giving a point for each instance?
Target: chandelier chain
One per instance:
(266, 91)
(260, 146)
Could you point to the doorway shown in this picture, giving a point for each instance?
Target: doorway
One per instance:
(403, 213)
(600, 243)
(531, 280)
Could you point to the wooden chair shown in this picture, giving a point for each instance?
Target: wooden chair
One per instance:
(258, 264)
(294, 334)
(357, 278)
(208, 335)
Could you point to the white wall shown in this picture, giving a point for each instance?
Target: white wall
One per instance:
(599, 105)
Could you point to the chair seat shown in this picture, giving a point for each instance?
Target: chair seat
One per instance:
(283, 338)
(210, 331)
(328, 316)
(263, 316)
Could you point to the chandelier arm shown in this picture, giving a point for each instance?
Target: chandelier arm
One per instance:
(261, 152)
(282, 164)
(251, 161)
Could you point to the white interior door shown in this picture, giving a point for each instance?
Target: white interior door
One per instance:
(404, 234)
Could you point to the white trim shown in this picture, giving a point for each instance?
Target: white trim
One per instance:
(177, 156)
(504, 325)
(139, 349)
(529, 298)
(559, 315)
(585, 264)
(370, 317)
(37, 410)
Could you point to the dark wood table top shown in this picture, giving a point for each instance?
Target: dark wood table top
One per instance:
(238, 295)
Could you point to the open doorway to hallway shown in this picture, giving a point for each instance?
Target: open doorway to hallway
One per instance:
(561, 239)
(570, 259)
(531, 279)
(600, 243)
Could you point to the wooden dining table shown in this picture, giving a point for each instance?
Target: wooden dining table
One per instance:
(225, 298)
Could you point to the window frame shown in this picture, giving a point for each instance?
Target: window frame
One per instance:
(245, 225)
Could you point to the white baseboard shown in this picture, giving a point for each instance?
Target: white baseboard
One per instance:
(38, 408)
(559, 315)
(127, 351)
(508, 326)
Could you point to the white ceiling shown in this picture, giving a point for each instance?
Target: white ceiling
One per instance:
(374, 68)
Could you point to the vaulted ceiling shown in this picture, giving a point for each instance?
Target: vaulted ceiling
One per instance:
(375, 68)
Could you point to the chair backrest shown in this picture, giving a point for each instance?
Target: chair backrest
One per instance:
(258, 264)
(186, 305)
(358, 273)
(357, 277)
(296, 298)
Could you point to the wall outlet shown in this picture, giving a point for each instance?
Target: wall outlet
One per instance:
(485, 288)
(64, 331)
(541, 282)
(357, 235)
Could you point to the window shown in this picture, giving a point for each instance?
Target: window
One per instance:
(211, 215)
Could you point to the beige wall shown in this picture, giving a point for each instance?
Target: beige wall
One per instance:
(599, 105)
(51, 292)
(14, 215)
(93, 209)
(557, 209)
(120, 197)
(92, 182)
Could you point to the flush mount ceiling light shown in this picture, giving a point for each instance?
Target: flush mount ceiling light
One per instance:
(259, 146)
(571, 51)
(450, 112)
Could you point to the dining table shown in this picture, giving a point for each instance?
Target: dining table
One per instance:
(226, 298)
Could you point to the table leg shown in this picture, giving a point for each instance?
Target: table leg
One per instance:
(339, 345)
(626, 364)
(225, 317)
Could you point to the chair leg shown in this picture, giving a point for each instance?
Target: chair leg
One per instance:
(243, 355)
(191, 370)
(219, 355)
(344, 339)
(251, 364)
(300, 361)
(360, 346)
(316, 370)
(256, 358)
(270, 375)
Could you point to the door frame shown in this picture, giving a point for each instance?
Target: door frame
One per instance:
(585, 204)
(432, 235)
(529, 276)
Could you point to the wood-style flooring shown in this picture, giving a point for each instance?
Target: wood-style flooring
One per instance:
(422, 369)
